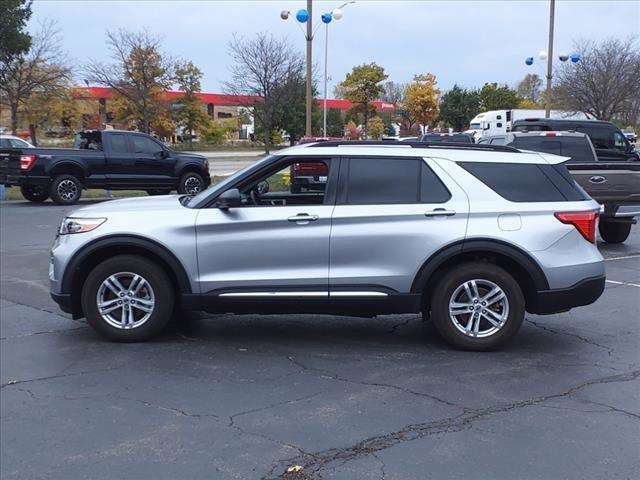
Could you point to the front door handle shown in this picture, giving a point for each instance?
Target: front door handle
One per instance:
(440, 212)
(303, 218)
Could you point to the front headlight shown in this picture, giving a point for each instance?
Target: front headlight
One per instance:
(79, 225)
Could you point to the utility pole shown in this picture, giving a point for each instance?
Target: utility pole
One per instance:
(309, 92)
(547, 100)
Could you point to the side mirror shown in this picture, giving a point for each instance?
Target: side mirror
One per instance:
(229, 199)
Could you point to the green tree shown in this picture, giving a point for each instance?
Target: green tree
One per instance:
(14, 41)
(421, 98)
(335, 123)
(289, 113)
(190, 113)
(216, 132)
(362, 86)
(375, 127)
(530, 88)
(494, 97)
(139, 74)
(458, 106)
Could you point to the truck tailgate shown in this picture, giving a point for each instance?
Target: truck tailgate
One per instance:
(609, 182)
(9, 166)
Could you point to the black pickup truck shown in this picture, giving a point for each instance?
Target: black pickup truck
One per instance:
(111, 159)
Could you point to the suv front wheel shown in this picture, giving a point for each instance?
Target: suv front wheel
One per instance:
(477, 306)
(128, 298)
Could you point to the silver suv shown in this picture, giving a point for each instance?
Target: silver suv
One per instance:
(472, 236)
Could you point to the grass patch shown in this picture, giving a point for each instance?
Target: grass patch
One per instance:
(13, 193)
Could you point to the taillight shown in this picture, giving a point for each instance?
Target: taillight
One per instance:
(585, 222)
(27, 162)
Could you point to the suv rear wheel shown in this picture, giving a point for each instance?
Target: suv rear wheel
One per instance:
(477, 306)
(128, 298)
(614, 232)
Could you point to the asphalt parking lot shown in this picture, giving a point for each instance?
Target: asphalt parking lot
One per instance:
(244, 397)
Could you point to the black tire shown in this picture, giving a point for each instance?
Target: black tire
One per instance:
(65, 190)
(453, 279)
(34, 194)
(161, 286)
(159, 191)
(189, 182)
(614, 232)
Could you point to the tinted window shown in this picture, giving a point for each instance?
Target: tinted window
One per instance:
(4, 143)
(145, 145)
(374, 181)
(16, 143)
(118, 143)
(577, 148)
(601, 136)
(527, 182)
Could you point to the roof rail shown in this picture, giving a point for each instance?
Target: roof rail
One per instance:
(435, 145)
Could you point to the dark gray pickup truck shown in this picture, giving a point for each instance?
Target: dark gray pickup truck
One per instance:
(112, 159)
(613, 182)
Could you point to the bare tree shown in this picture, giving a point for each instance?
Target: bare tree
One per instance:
(393, 92)
(604, 81)
(43, 69)
(260, 67)
(530, 87)
(139, 74)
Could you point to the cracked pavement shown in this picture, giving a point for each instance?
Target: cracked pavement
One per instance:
(246, 397)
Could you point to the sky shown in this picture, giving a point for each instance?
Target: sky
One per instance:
(464, 42)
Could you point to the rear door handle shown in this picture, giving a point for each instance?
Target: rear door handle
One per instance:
(440, 212)
(303, 218)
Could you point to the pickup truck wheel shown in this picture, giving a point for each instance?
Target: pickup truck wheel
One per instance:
(614, 232)
(34, 194)
(159, 191)
(477, 306)
(128, 298)
(66, 190)
(191, 183)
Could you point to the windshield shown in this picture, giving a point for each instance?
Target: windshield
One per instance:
(222, 185)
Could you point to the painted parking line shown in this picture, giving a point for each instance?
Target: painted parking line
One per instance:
(637, 255)
(615, 282)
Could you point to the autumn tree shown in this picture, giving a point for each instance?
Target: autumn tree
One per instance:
(458, 106)
(494, 97)
(375, 127)
(421, 98)
(604, 82)
(190, 113)
(139, 74)
(260, 66)
(50, 110)
(44, 68)
(530, 88)
(362, 86)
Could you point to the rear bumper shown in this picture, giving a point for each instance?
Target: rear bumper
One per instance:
(582, 293)
(20, 180)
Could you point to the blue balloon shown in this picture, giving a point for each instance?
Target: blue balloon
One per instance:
(302, 16)
(575, 57)
(529, 61)
(326, 18)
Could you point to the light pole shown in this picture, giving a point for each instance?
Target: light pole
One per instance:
(336, 14)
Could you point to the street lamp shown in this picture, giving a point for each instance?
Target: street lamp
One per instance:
(336, 14)
(305, 16)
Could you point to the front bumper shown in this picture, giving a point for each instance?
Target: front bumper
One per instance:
(63, 300)
(582, 293)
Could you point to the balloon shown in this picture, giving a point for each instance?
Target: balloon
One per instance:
(337, 14)
(302, 16)
(575, 57)
(284, 14)
(563, 58)
(529, 61)
(542, 55)
(326, 18)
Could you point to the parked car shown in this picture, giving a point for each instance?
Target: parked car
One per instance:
(447, 137)
(608, 140)
(472, 236)
(611, 183)
(111, 159)
(631, 136)
(10, 141)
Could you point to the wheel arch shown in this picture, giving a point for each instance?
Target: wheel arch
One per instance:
(525, 270)
(68, 167)
(95, 252)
